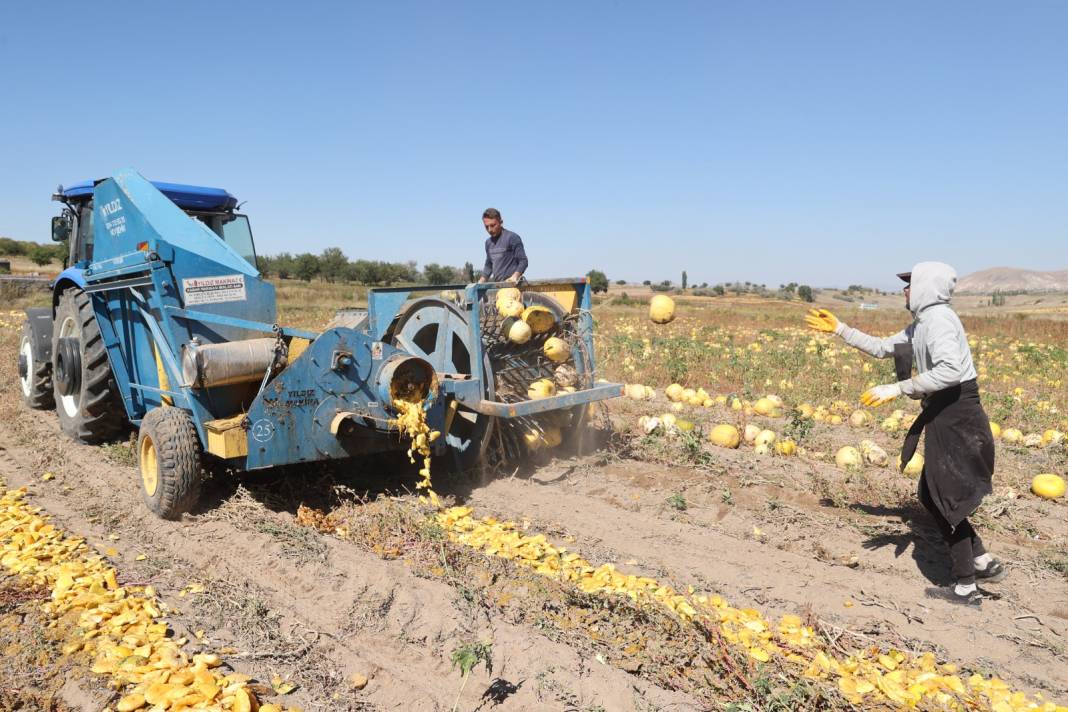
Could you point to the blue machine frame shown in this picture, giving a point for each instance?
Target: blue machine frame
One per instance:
(161, 279)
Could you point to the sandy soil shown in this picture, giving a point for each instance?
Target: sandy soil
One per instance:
(781, 535)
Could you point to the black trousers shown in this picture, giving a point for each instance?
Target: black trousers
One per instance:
(964, 544)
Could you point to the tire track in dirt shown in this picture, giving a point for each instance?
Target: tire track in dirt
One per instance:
(719, 553)
(409, 626)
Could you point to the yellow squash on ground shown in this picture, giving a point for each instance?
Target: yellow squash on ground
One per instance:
(662, 309)
(725, 435)
(848, 457)
(1048, 486)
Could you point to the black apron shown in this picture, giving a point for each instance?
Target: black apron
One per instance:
(958, 451)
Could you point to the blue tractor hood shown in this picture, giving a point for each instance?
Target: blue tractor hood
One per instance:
(186, 197)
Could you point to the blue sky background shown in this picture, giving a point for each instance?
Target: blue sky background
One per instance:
(822, 142)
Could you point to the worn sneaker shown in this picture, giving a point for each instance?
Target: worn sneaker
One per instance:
(993, 572)
(973, 599)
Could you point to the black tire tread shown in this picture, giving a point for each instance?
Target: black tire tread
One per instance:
(101, 414)
(180, 469)
(41, 396)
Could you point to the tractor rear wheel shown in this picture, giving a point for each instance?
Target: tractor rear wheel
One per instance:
(35, 377)
(87, 403)
(169, 457)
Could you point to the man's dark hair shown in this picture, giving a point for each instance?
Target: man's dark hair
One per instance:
(491, 213)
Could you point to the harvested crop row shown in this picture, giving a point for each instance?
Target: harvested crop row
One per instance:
(871, 676)
(120, 627)
(868, 677)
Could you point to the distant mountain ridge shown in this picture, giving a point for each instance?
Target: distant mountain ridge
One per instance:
(1012, 279)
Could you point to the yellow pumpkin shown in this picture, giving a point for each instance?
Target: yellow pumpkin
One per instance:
(539, 318)
(848, 457)
(509, 307)
(1012, 436)
(1052, 437)
(662, 309)
(915, 466)
(541, 388)
(517, 331)
(766, 438)
(1048, 486)
(874, 454)
(725, 435)
(559, 351)
(749, 434)
(995, 429)
(766, 406)
(509, 293)
(785, 447)
(674, 392)
(859, 418)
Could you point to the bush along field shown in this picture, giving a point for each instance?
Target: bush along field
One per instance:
(742, 539)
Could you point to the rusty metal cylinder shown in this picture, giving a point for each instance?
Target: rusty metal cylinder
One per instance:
(207, 365)
(405, 378)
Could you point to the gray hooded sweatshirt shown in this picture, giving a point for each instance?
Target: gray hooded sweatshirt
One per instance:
(940, 347)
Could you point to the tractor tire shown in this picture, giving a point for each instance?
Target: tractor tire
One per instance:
(87, 402)
(169, 457)
(35, 377)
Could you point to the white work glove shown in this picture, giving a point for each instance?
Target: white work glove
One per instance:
(880, 395)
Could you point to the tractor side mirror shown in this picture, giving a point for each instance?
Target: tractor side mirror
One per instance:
(60, 228)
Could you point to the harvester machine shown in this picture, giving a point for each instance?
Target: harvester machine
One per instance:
(163, 321)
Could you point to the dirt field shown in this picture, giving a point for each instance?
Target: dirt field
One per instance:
(850, 552)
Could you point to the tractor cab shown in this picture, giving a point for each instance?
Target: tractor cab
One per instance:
(214, 207)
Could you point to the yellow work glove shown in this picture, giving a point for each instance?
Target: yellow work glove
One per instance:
(821, 320)
(880, 395)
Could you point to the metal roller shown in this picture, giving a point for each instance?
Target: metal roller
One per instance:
(207, 365)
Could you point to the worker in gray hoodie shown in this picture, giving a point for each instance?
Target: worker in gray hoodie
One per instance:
(959, 447)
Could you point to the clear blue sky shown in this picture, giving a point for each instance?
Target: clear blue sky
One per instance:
(821, 142)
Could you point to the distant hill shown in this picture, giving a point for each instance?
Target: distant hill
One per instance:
(1011, 279)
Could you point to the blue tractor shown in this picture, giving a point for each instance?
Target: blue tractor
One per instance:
(163, 321)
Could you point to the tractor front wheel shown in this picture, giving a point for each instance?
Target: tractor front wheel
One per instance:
(169, 456)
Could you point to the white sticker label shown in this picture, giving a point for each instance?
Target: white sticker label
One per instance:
(212, 290)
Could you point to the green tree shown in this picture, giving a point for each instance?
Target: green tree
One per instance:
(283, 265)
(306, 266)
(436, 274)
(333, 264)
(718, 290)
(40, 255)
(684, 280)
(598, 280)
(804, 292)
(264, 263)
(469, 272)
(12, 247)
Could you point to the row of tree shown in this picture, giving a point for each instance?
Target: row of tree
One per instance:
(37, 253)
(332, 265)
